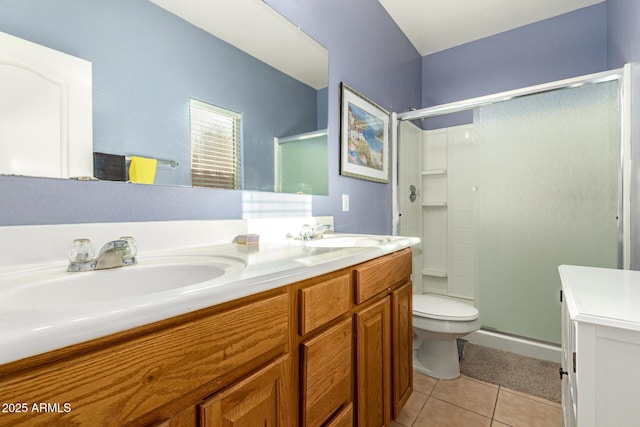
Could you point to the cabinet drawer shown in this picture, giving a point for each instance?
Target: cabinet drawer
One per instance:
(326, 373)
(323, 302)
(120, 383)
(375, 276)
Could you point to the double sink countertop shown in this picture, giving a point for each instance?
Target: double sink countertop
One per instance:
(42, 308)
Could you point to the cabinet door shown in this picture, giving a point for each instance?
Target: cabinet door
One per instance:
(326, 373)
(262, 399)
(402, 350)
(373, 364)
(568, 381)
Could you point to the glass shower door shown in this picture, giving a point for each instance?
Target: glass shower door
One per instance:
(547, 194)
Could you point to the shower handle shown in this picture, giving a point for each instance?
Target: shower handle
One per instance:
(413, 193)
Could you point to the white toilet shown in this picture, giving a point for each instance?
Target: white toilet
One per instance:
(437, 322)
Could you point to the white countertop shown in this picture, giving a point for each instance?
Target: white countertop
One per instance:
(32, 331)
(601, 295)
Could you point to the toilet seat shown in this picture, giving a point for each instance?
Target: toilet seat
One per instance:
(440, 308)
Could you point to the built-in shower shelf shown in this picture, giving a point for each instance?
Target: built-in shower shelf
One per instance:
(434, 204)
(434, 272)
(430, 172)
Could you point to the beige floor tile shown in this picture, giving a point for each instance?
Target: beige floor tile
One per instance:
(412, 409)
(468, 394)
(423, 383)
(437, 413)
(495, 423)
(539, 399)
(481, 382)
(518, 410)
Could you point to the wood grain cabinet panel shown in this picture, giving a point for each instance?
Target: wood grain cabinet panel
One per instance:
(326, 373)
(323, 302)
(381, 274)
(262, 399)
(373, 366)
(344, 418)
(118, 384)
(402, 346)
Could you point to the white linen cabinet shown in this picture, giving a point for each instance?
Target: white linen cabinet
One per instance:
(600, 368)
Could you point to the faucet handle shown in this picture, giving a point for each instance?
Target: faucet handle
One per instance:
(80, 250)
(306, 233)
(133, 246)
(319, 230)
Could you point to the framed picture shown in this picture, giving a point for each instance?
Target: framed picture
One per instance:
(364, 137)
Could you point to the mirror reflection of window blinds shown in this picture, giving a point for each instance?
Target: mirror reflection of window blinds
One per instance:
(215, 146)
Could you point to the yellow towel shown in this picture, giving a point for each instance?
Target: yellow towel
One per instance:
(142, 170)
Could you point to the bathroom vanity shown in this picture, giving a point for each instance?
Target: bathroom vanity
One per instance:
(324, 339)
(600, 346)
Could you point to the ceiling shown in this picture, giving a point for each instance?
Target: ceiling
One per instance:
(255, 28)
(435, 25)
(430, 25)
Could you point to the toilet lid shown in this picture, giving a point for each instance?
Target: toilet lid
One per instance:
(441, 308)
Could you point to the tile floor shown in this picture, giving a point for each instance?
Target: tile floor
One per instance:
(467, 402)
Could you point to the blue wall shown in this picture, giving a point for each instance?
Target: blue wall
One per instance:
(371, 54)
(368, 52)
(623, 32)
(565, 46)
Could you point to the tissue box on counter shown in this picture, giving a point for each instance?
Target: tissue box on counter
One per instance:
(248, 239)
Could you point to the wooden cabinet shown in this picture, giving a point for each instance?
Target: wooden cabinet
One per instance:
(376, 277)
(402, 346)
(146, 375)
(326, 374)
(325, 301)
(344, 418)
(334, 350)
(356, 343)
(373, 361)
(262, 399)
(325, 336)
(384, 338)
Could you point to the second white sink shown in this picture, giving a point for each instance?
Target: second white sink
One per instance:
(347, 241)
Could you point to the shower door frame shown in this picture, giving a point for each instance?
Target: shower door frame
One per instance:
(623, 75)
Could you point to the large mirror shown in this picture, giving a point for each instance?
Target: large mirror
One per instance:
(152, 60)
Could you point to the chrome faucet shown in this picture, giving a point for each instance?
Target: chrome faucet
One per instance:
(314, 233)
(116, 253)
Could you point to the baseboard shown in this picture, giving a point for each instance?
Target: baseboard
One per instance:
(516, 345)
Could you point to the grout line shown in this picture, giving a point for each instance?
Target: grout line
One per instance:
(420, 411)
(495, 404)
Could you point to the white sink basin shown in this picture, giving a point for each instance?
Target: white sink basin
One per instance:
(49, 288)
(349, 241)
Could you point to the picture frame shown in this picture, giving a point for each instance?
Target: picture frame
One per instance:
(364, 137)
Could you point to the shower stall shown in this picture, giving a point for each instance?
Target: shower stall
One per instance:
(539, 179)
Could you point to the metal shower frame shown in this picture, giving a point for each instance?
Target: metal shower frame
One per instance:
(624, 178)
